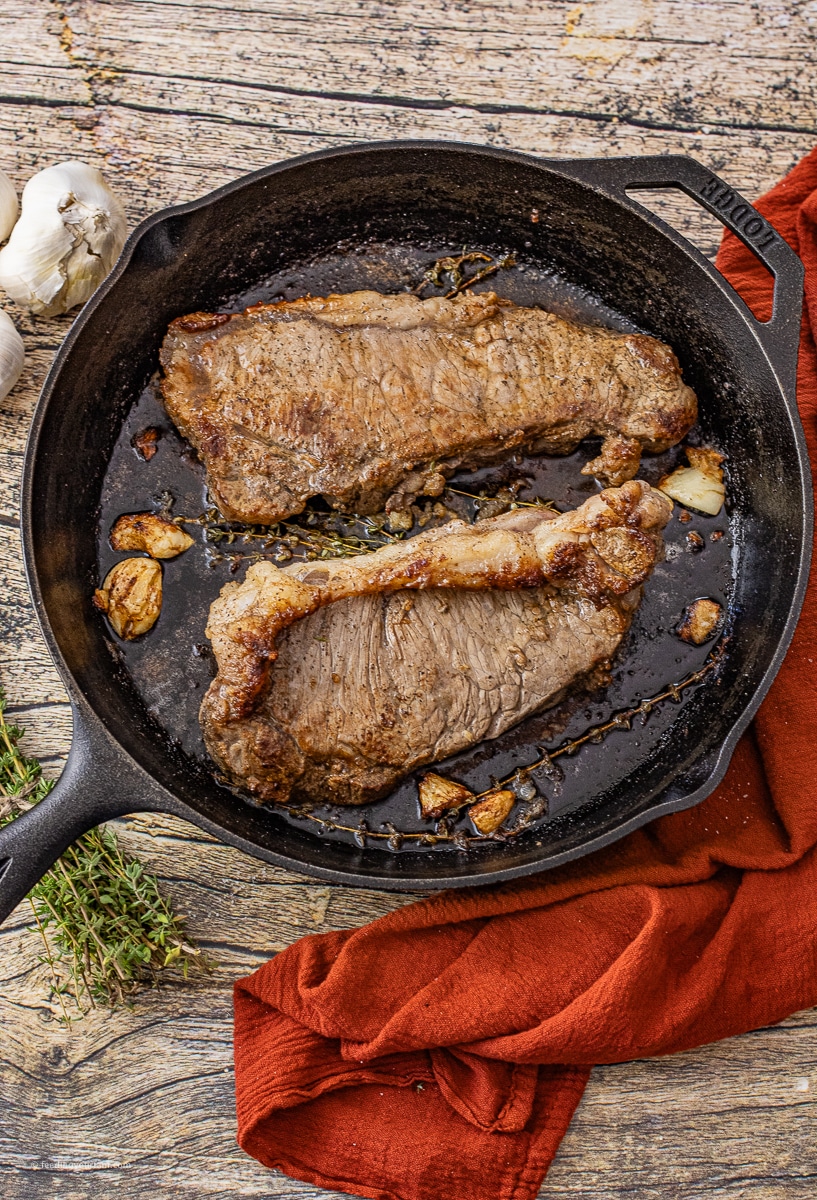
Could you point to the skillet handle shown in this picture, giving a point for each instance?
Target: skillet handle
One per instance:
(780, 335)
(97, 783)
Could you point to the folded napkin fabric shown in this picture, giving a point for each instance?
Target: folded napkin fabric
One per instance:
(439, 1053)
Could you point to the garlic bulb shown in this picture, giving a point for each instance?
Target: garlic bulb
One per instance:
(12, 354)
(69, 235)
(9, 208)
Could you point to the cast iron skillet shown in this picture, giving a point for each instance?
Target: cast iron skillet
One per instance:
(572, 221)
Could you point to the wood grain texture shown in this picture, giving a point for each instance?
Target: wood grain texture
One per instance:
(172, 98)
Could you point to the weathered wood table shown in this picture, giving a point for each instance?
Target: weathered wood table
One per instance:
(171, 98)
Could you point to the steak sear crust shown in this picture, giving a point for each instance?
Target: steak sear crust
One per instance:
(357, 397)
(335, 679)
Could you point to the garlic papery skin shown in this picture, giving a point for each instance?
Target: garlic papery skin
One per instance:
(70, 233)
(12, 354)
(9, 208)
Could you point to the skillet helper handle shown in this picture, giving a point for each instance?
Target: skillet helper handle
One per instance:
(780, 335)
(92, 788)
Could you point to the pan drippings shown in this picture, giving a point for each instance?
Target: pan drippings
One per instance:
(171, 666)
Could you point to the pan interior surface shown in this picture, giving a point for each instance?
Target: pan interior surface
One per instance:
(378, 219)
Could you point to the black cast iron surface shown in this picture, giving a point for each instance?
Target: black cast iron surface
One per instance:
(171, 667)
(375, 216)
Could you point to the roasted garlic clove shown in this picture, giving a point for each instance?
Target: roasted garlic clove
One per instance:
(70, 233)
(488, 813)
(145, 443)
(700, 621)
(438, 795)
(131, 596)
(155, 535)
(401, 520)
(700, 485)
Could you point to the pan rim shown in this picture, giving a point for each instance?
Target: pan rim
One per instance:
(84, 709)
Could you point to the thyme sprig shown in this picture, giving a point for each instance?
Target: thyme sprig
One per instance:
(322, 535)
(449, 272)
(520, 779)
(106, 928)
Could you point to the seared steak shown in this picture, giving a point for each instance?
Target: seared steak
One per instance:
(352, 397)
(336, 679)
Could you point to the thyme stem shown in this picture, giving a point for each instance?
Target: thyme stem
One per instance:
(595, 733)
(105, 926)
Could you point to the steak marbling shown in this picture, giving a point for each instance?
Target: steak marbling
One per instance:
(365, 398)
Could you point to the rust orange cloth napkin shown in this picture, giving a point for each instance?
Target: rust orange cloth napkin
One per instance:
(439, 1053)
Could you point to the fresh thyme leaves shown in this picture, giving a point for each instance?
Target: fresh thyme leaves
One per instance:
(503, 500)
(317, 534)
(452, 268)
(105, 925)
(520, 782)
(450, 272)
